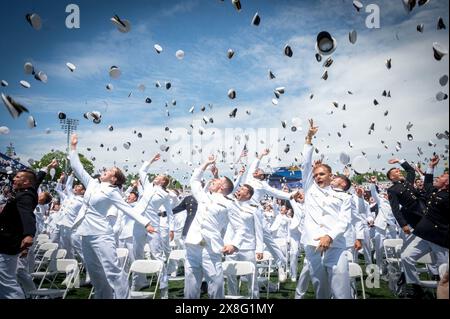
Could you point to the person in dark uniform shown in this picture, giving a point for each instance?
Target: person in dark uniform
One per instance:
(431, 231)
(403, 193)
(18, 228)
(188, 204)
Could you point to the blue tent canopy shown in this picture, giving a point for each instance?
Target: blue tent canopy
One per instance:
(291, 176)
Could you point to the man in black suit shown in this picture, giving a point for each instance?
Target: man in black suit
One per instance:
(403, 193)
(18, 228)
(431, 231)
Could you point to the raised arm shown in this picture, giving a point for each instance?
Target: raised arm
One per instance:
(143, 171)
(410, 171)
(373, 191)
(307, 155)
(429, 175)
(76, 165)
(196, 179)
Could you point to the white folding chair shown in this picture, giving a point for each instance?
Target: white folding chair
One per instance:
(392, 250)
(146, 267)
(427, 260)
(264, 269)
(47, 267)
(175, 257)
(240, 268)
(122, 255)
(355, 271)
(69, 267)
(40, 251)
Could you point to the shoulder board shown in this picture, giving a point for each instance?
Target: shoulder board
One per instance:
(254, 206)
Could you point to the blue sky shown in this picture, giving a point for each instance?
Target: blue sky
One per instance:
(205, 30)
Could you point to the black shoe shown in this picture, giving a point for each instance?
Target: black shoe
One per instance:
(402, 280)
(435, 278)
(415, 292)
(204, 288)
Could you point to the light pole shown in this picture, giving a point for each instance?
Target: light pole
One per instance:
(69, 126)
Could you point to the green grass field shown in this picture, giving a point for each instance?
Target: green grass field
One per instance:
(287, 290)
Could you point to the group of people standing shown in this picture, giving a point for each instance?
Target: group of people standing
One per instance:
(330, 219)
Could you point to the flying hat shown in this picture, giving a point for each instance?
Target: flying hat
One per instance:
(71, 66)
(123, 26)
(230, 53)
(389, 63)
(233, 113)
(441, 25)
(441, 96)
(4, 83)
(25, 84)
(158, 48)
(41, 76)
(4, 130)
(31, 122)
(111, 128)
(409, 5)
(180, 54)
(353, 36)
(232, 94)
(325, 75)
(34, 20)
(62, 116)
(328, 62)
(358, 5)
(420, 27)
(256, 19)
(127, 145)
(14, 108)
(439, 51)
(443, 80)
(325, 43)
(114, 72)
(28, 68)
(237, 4)
(288, 51)
(168, 85)
(110, 87)
(271, 75)
(344, 158)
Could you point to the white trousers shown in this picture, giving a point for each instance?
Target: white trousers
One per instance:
(272, 247)
(416, 249)
(201, 262)
(107, 277)
(65, 241)
(25, 266)
(9, 287)
(329, 273)
(232, 284)
(367, 248)
(303, 281)
(379, 237)
(141, 237)
(294, 251)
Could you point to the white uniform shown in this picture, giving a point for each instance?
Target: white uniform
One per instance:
(252, 243)
(98, 243)
(295, 227)
(204, 241)
(262, 188)
(385, 225)
(153, 197)
(326, 213)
